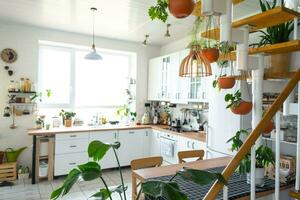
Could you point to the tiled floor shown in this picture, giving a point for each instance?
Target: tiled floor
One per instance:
(24, 190)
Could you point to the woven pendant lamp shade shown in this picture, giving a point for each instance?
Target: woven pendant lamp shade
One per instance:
(195, 64)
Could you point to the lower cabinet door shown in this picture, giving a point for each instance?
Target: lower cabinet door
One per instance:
(109, 160)
(64, 163)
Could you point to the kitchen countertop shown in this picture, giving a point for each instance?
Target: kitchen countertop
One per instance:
(200, 136)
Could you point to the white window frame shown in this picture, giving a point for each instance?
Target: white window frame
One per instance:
(72, 104)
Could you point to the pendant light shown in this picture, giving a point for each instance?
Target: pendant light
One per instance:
(93, 55)
(195, 64)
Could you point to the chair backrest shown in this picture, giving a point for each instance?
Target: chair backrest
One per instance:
(146, 162)
(199, 154)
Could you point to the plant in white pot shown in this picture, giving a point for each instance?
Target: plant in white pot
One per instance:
(264, 157)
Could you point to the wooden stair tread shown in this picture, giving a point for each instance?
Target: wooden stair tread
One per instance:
(285, 47)
(197, 9)
(269, 18)
(261, 20)
(295, 194)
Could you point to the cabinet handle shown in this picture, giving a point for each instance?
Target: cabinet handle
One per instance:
(147, 133)
(193, 145)
(73, 146)
(115, 135)
(73, 136)
(188, 144)
(72, 163)
(131, 132)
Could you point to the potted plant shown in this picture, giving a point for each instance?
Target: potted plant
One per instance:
(23, 173)
(236, 104)
(40, 122)
(178, 8)
(264, 157)
(210, 51)
(67, 117)
(278, 63)
(269, 128)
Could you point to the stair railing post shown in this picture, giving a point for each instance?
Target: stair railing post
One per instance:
(277, 157)
(257, 91)
(297, 184)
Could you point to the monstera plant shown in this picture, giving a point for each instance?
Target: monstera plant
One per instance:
(154, 188)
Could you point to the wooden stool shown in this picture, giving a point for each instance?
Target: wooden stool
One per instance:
(141, 164)
(199, 154)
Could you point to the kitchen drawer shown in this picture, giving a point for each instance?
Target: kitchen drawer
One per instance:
(63, 164)
(71, 146)
(72, 136)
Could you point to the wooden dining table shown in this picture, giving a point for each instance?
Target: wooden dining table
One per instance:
(168, 170)
(148, 173)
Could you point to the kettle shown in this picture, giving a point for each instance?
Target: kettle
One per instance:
(146, 118)
(12, 155)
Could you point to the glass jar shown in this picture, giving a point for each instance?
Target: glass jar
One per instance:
(22, 85)
(27, 85)
(11, 87)
(17, 86)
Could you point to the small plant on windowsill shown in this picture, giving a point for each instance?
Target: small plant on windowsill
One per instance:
(168, 190)
(67, 117)
(236, 104)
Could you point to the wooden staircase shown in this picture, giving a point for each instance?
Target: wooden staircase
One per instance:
(295, 194)
(246, 147)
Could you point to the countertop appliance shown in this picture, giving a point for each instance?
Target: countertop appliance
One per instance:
(168, 148)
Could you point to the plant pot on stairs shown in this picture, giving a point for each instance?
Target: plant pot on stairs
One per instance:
(278, 66)
(259, 177)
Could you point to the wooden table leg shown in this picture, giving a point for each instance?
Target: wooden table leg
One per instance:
(134, 185)
(50, 158)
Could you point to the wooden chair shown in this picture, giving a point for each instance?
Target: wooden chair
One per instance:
(199, 154)
(141, 164)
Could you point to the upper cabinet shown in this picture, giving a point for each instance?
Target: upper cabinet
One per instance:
(164, 83)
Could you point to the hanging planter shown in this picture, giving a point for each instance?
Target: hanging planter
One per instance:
(242, 108)
(226, 82)
(178, 8)
(181, 8)
(269, 128)
(212, 54)
(237, 105)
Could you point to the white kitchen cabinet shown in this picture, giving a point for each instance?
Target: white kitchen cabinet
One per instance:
(186, 144)
(155, 143)
(131, 145)
(70, 151)
(155, 78)
(64, 163)
(199, 89)
(109, 160)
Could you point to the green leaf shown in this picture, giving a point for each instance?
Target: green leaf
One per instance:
(201, 177)
(102, 195)
(71, 179)
(56, 193)
(97, 150)
(90, 171)
(166, 189)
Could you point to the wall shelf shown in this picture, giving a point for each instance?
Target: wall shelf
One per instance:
(266, 19)
(213, 34)
(231, 56)
(197, 9)
(282, 141)
(285, 47)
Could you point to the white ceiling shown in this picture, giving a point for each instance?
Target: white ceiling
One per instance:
(120, 19)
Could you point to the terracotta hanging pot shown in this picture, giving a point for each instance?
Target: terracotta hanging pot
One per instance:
(226, 82)
(181, 8)
(242, 108)
(269, 128)
(212, 54)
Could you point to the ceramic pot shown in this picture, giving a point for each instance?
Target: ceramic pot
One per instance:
(259, 177)
(269, 128)
(181, 8)
(212, 54)
(68, 122)
(243, 108)
(1, 156)
(226, 82)
(278, 66)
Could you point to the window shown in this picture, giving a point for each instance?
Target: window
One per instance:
(77, 83)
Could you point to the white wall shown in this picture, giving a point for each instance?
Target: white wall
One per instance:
(25, 39)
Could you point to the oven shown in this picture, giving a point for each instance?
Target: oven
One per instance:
(168, 148)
